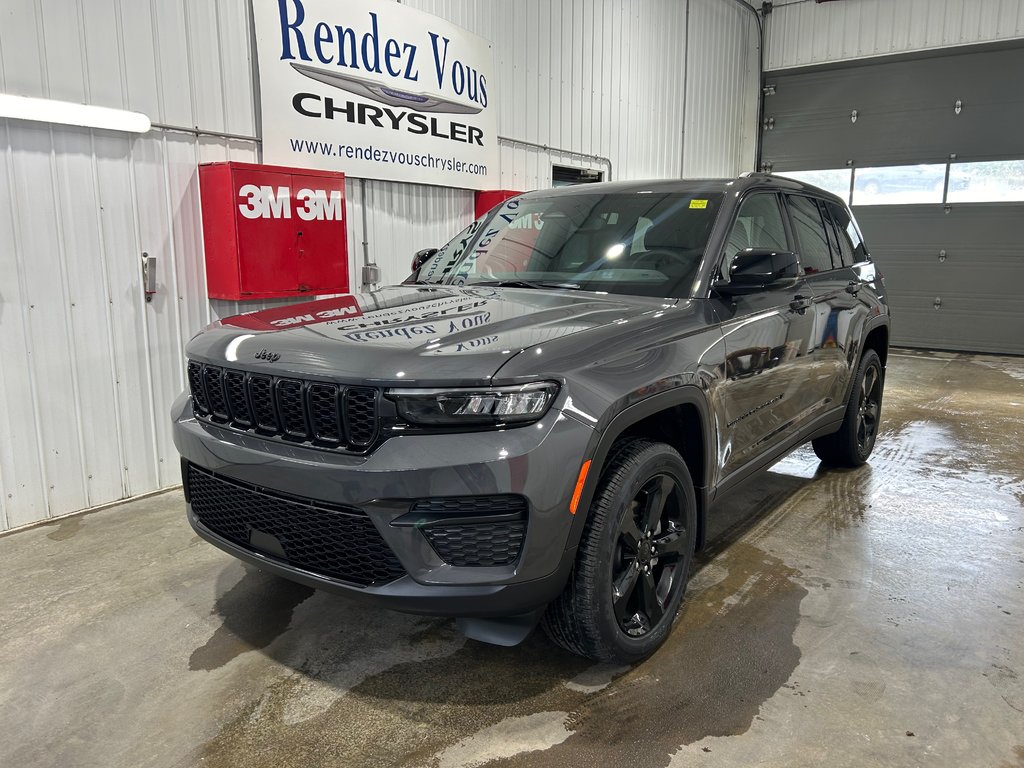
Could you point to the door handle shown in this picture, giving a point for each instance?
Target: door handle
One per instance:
(800, 303)
(853, 288)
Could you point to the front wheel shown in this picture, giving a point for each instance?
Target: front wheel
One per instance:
(634, 558)
(852, 444)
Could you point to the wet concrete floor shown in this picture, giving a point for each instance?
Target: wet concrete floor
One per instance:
(867, 617)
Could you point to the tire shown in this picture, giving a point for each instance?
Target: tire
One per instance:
(852, 444)
(639, 537)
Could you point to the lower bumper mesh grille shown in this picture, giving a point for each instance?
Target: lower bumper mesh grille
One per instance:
(326, 539)
(476, 542)
(481, 544)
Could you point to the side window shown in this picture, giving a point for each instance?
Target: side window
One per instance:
(758, 225)
(833, 236)
(850, 242)
(810, 234)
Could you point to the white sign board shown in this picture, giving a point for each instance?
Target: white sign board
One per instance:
(377, 90)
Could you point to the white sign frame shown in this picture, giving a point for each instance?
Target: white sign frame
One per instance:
(376, 90)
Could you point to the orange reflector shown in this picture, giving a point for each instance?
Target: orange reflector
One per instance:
(579, 487)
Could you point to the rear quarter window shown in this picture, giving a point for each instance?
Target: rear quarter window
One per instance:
(850, 242)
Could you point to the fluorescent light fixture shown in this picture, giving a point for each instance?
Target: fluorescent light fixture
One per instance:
(69, 113)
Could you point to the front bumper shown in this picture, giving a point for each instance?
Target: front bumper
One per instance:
(539, 462)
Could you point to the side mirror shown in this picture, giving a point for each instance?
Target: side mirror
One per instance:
(420, 257)
(756, 269)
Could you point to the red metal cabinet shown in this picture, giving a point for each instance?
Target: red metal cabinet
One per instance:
(272, 232)
(488, 198)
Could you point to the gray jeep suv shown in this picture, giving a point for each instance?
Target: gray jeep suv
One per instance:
(533, 427)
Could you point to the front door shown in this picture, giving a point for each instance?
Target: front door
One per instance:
(767, 343)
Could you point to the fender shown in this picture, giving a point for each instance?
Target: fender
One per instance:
(878, 321)
(601, 443)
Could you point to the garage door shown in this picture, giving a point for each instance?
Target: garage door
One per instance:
(930, 151)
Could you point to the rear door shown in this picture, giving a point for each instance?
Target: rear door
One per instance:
(839, 314)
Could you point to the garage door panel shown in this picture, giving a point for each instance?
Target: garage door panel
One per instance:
(970, 258)
(957, 325)
(905, 112)
(995, 226)
(973, 281)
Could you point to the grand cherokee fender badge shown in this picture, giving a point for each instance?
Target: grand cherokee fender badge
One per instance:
(270, 357)
(752, 411)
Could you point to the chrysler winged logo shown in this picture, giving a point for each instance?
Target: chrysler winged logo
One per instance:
(265, 354)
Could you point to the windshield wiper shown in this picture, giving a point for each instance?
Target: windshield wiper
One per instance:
(524, 284)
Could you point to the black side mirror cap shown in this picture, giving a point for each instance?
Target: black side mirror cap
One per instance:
(420, 257)
(756, 269)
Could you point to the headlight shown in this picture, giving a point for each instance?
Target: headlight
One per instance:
(517, 404)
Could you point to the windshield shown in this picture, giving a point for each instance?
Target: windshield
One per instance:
(646, 243)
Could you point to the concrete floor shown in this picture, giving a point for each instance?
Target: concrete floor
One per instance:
(870, 617)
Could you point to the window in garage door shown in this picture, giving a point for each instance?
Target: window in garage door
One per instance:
(815, 254)
(1000, 181)
(835, 180)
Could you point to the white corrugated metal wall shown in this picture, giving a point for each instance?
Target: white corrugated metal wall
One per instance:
(89, 369)
(722, 88)
(802, 32)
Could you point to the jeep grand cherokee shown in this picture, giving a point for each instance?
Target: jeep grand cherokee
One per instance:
(533, 427)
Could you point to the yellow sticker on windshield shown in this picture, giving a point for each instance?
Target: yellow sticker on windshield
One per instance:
(698, 203)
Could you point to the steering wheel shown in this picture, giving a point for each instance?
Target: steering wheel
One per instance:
(654, 258)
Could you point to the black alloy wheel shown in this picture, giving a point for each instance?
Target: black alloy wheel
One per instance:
(853, 443)
(633, 558)
(648, 554)
(870, 408)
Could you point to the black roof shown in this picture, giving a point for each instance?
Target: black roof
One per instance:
(687, 186)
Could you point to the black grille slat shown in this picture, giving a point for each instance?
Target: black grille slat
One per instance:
(361, 415)
(324, 413)
(261, 394)
(196, 388)
(238, 399)
(326, 539)
(316, 413)
(213, 383)
(291, 406)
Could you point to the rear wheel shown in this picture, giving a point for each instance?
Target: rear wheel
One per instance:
(633, 560)
(852, 444)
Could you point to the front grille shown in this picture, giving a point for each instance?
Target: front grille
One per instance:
(475, 543)
(360, 410)
(213, 383)
(292, 407)
(314, 413)
(326, 539)
(238, 400)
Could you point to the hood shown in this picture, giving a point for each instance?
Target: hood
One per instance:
(410, 335)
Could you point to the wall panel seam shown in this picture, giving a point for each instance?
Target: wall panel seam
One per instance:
(26, 320)
(108, 318)
(62, 257)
